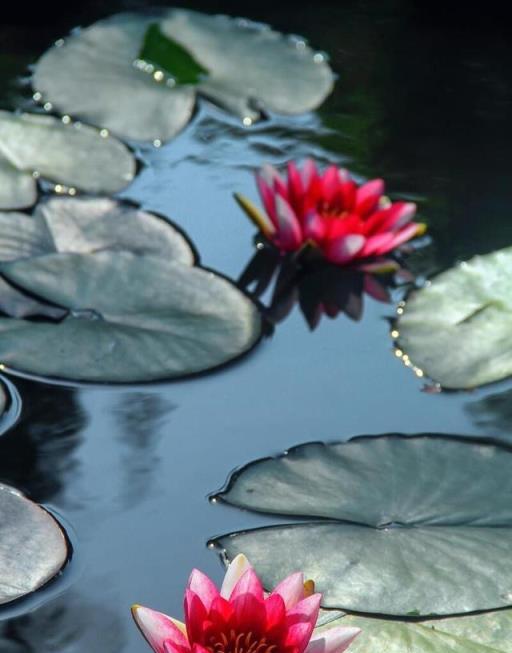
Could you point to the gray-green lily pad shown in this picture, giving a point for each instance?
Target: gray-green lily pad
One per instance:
(405, 530)
(486, 633)
(132, 318)
(457, 328)
(77, 157)
(81, 225)
(33, 548)
(91, 74)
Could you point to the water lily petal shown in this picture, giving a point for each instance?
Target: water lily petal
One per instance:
(309, 173)
(203, 586)
(301, 621)
(378, 244)
(195, 616)
(405, 234)
(221, 612)
(375, 289)
(289, 233)
(331, 183)
(305, 611)
(368, 195)
(157, 628)
(344, 249)
(295, 188)
(314, 227)
(334, 640)
(275, 612)
(248, 584)
(248, 602)
(267, 197)
(236, 569)
(291, 589)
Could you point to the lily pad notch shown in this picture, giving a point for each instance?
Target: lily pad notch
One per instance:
(134, 307)
(123, 73)
(392, 526)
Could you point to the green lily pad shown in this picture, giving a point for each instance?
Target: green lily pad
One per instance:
(132, 318)
(81, 225)
(457, 328)
(96, 74)
(73, 156)
(405, 528)
(33, 547)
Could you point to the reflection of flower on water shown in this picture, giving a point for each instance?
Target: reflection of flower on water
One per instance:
(319, 287)
(240, 617)
(329, 211)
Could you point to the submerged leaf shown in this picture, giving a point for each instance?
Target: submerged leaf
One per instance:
(169, 56)
(33, 548)
(77, 157)
(457, 328)
(407, 528)
(131, 319)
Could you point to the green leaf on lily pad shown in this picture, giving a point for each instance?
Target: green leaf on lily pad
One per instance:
(82, 226)
(73, 156)
(169, 56)
(94, 74)
(132, 318)
(404, 527)
(457, 328)
(33, 548)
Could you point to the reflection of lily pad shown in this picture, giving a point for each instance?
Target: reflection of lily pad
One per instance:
(408, 528)
(77, 157)
(457, 328)
(81, 226)
(131, 318)
(33, 548)
(484, 633)
(91, 75)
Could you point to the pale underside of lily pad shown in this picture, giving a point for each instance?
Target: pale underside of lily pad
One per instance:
(457, 328)
(407, 526)
(132, 318)
(91, 75)
(73, 156)
(33, 547)
(82, 226)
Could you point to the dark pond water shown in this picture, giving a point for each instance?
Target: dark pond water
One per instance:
(423, 100)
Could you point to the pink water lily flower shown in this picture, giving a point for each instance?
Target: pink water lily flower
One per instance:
(241, 618)
(347, 222)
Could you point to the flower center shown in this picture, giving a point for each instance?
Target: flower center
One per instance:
(331, 210)
(234, 642)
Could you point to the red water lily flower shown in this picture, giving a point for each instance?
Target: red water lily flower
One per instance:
(240, 618)
(347, 222)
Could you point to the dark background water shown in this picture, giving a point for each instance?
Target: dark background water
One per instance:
(423, 99)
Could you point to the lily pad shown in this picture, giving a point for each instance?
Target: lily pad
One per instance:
(131, 318)
(91, 74)
(33, 547)
(457, 328)
(405, 526)
(486, 633)
(69, 155)
(81, 225)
